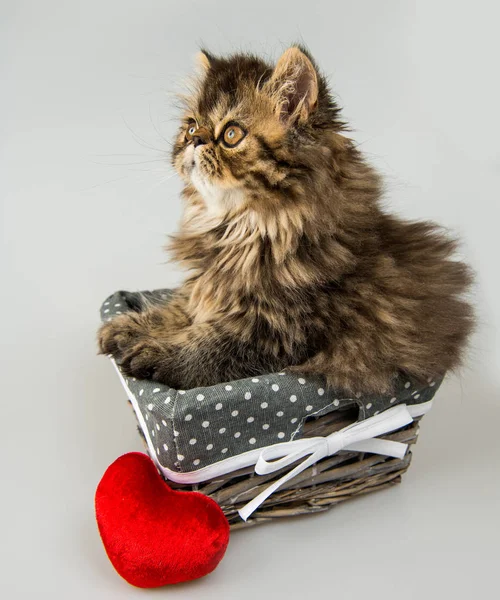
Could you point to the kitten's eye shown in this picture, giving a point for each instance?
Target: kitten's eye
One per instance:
(233, 135)
(190, 131)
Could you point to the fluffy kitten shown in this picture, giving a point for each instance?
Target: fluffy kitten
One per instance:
(293, 263)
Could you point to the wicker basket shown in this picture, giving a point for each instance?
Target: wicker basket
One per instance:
(321, 486)
(179, 425)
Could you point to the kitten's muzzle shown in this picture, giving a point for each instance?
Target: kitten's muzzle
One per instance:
(201, 136)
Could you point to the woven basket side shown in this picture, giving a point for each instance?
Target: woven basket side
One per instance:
(330, 481)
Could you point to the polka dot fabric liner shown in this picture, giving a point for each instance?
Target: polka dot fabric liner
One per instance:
(191, 429)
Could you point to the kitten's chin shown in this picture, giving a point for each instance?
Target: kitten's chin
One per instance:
(188, 162)
(218, 200)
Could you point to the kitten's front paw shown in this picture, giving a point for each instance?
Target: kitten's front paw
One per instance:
(144, 360)
(119, 335)
(135, 350)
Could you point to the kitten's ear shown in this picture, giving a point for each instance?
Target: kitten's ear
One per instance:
(294, 86)
(204, 60)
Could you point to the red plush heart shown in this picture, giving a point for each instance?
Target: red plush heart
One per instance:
(153, 535)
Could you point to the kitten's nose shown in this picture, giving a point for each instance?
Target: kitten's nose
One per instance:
(201, 136)
(197, 140)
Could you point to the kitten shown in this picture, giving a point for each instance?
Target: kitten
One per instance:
(293, 264)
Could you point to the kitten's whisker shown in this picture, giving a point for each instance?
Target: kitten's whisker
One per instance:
(141, 162)
(155, 187)
(103, 183)
(142, 142)
(119, 154)
(156, 128)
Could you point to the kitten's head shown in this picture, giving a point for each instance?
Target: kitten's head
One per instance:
(251, 130)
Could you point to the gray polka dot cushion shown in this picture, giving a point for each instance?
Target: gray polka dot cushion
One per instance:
(193, 431)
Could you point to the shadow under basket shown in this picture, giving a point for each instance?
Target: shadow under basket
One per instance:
(273, 445)
(328, 482)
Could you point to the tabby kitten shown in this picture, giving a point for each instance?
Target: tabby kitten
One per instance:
(293, 264)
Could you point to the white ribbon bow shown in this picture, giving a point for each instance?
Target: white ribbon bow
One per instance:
(359, 436)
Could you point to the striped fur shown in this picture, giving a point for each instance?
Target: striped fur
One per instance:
(292, 262)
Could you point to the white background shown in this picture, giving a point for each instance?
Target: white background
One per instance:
(87, 200)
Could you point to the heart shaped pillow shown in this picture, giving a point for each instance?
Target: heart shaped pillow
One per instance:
(152, 534)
